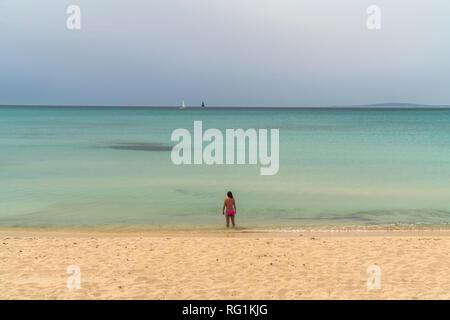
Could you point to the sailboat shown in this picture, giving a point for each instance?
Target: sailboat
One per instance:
(203, 104)
(183, 105)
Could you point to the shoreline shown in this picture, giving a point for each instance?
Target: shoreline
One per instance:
(222, 231)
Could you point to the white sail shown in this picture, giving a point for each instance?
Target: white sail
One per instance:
(183, 105)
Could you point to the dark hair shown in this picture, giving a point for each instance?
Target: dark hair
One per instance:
(229, 194)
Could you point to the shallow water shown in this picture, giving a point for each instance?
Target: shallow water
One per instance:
(104, 167)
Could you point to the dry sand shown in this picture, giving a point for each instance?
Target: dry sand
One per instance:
(224, 265)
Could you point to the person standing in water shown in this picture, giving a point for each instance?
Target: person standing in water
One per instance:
(230, 206)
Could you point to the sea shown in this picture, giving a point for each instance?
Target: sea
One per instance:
(111, 167)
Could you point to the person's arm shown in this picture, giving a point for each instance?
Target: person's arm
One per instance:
(223, 208)
(234, 204)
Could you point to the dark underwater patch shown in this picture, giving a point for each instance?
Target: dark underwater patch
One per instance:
(141, 146)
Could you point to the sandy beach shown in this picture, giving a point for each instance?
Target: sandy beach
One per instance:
(228, 264)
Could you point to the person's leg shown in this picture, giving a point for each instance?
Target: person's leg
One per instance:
(228, 219)
(232, 219)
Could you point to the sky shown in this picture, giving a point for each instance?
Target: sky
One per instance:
(224, 52)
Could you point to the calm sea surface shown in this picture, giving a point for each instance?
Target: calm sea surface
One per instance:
(81, 167)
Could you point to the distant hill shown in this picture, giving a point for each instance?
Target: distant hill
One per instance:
(396, 105)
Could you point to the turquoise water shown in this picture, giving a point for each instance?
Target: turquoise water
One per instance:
(112, 167)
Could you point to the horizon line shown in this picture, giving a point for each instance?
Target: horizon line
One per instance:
(378, 106)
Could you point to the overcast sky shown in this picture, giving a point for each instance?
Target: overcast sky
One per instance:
(225, 52)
